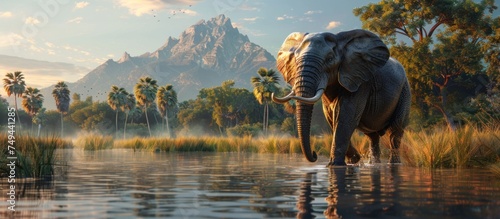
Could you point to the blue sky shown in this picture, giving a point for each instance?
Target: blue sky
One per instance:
(88, 32)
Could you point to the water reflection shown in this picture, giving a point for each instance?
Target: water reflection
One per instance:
(122, 183)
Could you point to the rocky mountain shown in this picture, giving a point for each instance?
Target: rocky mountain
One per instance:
(204, 55)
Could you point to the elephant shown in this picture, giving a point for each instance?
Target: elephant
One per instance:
(361, 87)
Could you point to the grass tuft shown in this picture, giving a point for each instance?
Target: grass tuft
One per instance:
(94, 142)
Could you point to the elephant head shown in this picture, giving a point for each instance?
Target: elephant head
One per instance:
(315, 62)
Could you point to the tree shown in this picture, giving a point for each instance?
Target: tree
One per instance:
(449, 43)
(61, 95)
(145, 94)
(116, 100)
(127, 107)
(13, 83)
(264, 85)
(166, 98)
(32, 102)
(40, 119)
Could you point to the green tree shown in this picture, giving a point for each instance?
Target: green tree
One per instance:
(127, 107)
(116, 99)
(166, 98)
(145, 94)
(32, 102)
(449, 42)
(13, 83)
(264, 85)
(61, 95)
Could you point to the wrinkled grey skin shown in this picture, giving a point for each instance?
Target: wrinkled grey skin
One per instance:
(360, 85)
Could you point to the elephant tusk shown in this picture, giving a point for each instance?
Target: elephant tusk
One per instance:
(282, 99)
(310, 100)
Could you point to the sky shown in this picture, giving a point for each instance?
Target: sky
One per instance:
(87, 33)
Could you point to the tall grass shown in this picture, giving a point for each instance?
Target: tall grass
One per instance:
(35, 155)
(466, 147)
(94, 142)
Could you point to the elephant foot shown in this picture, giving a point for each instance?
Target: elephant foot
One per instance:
(394, 158)
(354, 159)
(336, 162)
(374, 160)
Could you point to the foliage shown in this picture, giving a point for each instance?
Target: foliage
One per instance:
(61, 95)
(244, 130)
(452, 56)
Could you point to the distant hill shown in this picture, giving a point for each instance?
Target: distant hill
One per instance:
(204, 55)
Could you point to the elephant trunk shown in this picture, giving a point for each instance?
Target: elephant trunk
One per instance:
(309, 87)
(304, 115)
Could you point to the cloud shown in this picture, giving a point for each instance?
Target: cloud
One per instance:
(5, 14)
(31, 20)
(76, 20)
(49, 44)
(189, 12)
(333, 24)
(80, 5)
(11, 39)
(141, 7)
(246, 7)
(284, 17)
(237, 25)
(250, 18)
(313, 12)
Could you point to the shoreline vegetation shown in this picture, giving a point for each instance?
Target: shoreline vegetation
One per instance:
(466, 148)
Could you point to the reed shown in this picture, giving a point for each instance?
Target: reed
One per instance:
(35, 155)
(466, 147)
(94, 142)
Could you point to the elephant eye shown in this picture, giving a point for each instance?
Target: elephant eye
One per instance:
(329, 59)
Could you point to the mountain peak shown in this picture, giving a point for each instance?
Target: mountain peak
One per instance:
(125, 57)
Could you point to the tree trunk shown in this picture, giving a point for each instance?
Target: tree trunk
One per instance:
(39, 127)
(18, 118)
(125, 126)
(147, 120)
(166, 121)
(444, 100)
(62, 125)
(116, 123)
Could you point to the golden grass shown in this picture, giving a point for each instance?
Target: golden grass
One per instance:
(466, 147)
(94, 142)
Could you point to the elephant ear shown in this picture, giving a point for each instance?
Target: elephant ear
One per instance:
(363, 53)
(286, 58)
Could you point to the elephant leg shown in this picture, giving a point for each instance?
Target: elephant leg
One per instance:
(352, 154)
(401, 117)
(395, 143)
(374, 156)
(346, 115)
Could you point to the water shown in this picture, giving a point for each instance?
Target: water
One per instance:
(126, 184)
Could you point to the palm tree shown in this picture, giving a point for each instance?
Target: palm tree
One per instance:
(127, 107)
(61, 95)
(40, 119)
(13, 83)
(145, 94)
(116, 100)
(32, 102)
(166, 97)
(264, 85)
